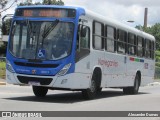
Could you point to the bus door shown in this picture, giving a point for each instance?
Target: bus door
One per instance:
(83, 48)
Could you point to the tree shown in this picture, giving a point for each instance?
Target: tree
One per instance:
(6, 26)
(25, 4)
(53, 2)
(157, 56)
(139, 27)
(3, 3)
(155, 31)
(37, 3)
(45, 2)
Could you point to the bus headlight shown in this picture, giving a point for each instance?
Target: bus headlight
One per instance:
(64, 70)
(9, 67)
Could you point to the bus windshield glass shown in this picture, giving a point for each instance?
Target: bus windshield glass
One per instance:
(51, 40)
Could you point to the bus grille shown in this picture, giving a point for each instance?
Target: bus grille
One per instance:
(36, 65)
(42, 81)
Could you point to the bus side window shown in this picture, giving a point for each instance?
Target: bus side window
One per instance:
(110, 41)
(131, 44)
(147, 48)
(140, 50)
(98, 32)
(78, 38)
(85, 37)
(121, 43)
(83, 42)
(152, 49)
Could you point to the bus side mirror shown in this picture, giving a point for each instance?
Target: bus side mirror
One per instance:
(83, 31)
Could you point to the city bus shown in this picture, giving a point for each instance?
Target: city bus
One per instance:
(71, 48)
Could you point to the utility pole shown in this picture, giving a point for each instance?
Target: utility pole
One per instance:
(145, 17)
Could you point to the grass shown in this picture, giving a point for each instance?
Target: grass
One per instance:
(2, 70)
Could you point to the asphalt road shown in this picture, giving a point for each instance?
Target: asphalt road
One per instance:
(21, 98)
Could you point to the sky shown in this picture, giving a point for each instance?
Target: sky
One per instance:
(121, 10)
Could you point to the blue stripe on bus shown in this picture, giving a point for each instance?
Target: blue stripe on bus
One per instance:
(141, 60)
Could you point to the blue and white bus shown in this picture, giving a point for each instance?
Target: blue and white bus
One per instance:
(70, 48)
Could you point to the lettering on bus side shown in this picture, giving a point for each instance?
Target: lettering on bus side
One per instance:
(107, 63)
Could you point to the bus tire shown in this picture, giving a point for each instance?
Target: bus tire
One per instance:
(90, 93)
(99, 90)
(40, 91)
(135, 88)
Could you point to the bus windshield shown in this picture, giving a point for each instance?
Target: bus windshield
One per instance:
(46, 40)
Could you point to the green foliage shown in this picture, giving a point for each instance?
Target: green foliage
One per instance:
(2, 65)
(2, 70)
(155, 31)
(25, 4)
(3, 3)
(3, 48)
(157, 73)
(139, 27)
(53, 2)
(37, 3)
(158, 64)
(6, 26)
(157, 56)
(45, 2)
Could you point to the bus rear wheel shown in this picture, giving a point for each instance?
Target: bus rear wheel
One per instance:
(40, 91)
(135, 88)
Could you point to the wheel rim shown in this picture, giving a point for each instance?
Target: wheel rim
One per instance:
(136, 84)
(92, 86)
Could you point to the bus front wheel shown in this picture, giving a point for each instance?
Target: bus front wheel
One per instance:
(135, 88)
(90, 93)
(39, 91)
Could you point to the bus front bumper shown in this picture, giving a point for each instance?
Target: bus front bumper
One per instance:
(71, 81)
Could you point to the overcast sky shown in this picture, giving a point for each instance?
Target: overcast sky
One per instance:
(121, 10)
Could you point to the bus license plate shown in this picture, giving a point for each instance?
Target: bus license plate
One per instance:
(34, 83)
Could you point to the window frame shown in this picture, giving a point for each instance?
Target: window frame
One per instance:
(142, 46)
(94, 35)
(152, 50)
(132, 45)
(124, 42)
(112, 39)
(147, 48)
(81, 25)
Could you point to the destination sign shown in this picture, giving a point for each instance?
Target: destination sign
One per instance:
(46, 12)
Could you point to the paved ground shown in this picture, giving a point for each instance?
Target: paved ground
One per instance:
(21, 98)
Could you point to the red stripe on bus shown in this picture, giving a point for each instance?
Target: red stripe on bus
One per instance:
(132, 59)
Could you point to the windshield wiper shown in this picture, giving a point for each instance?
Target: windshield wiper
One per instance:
(49, 28)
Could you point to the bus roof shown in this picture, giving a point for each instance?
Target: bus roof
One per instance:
(50, 6)
(119, 25)
(98, 17)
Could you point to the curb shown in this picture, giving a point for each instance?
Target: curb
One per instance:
(2, 83)
(154, 84)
